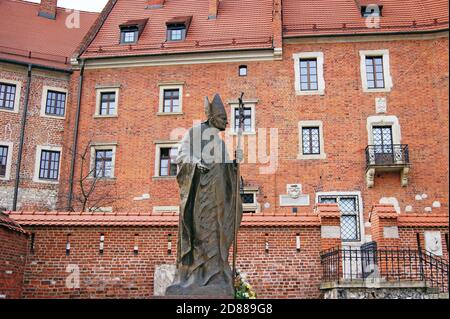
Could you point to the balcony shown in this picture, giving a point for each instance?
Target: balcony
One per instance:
(370, 267)
(387, 158)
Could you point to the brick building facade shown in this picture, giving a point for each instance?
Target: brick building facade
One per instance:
(355, 109)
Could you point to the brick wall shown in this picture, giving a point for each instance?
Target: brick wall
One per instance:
(419, 68)
(39, 131)
(281, 272)
(13, 253)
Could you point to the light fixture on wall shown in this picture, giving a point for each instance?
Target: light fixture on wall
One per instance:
(297, 242)
(68, 245)
(102, 243)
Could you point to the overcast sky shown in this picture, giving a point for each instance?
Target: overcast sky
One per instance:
(86, 5)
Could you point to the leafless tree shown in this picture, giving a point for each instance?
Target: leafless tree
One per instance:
(90, 195)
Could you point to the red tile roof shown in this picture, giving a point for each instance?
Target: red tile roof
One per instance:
(240, 24)
(340, 17)
(148, 219)
(26, 37)
(9, 223)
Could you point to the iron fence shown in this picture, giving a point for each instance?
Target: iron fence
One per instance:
(385, 264)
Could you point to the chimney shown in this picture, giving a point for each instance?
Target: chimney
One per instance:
(213, 9)
(47, 9)
(153, 4)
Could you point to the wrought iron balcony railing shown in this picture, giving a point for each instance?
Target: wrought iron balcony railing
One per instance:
(390, 264)
(387, 155)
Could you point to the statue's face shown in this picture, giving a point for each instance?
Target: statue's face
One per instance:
(219, 121)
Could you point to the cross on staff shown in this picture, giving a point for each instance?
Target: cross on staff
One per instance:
(238, 155)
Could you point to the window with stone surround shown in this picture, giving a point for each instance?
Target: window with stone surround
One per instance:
(103, 163)
(7, 96)
(107, 101)
(311, 140)
(3, 160)
(309, 75)
(249, 117)
(350, 215)
(375, 71)
(53, 102)
(167, 161)
(49, 165)
(170, 98)
(103, 158)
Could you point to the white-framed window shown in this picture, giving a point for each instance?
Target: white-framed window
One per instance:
(165, 159)
(6, 152)
(249, 118)
(311, 141)
(53, 102)
(308, 70)
(375, 71)
(10, 95)
(103, 160)
(107, 102)
(170, 99)
(352, 214)
(47, 164)
(249, 200)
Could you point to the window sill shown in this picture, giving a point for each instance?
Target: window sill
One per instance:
(45, 181)
(311, 157)
(164, 177)
(318, 92)
(105, 116)
(243, 133)
(366, 90)
(5, 179)
(56, 117)
(169, 113)
(103, 179)
(8, 110)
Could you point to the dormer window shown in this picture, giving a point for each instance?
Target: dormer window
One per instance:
(131, 30)
(177, 28)
(129, 35)
(372, 10)
(176, 33)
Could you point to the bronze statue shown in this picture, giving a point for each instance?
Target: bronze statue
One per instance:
(209, 209)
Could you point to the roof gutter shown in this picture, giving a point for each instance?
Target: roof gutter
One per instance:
(366, 34)
(36, 66)
(22, 137)
(75, 135)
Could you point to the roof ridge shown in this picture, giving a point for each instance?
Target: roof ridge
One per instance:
(36, 4)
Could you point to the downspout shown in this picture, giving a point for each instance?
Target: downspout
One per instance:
(22, 138)
(75, 136)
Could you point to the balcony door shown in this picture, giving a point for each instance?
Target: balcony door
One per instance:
(383, 145)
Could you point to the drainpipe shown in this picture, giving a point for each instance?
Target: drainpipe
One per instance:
(22, 137)
(75, 136)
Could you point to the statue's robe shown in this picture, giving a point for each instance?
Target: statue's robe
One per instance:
(207, 218)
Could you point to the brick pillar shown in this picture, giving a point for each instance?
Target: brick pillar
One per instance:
(330, 223)
(213, 9)
(384, 225)
(47, 9)
(155, 3)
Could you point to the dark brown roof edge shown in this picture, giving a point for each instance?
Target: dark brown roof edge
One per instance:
(92, 33)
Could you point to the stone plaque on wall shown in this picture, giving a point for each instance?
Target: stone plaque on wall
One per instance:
(163, 278)
(331, 232)
(390, 232)
(433, 242)
(380, 105)
(294, 196)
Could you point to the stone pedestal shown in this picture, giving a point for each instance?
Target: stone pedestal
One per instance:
(163, 278)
